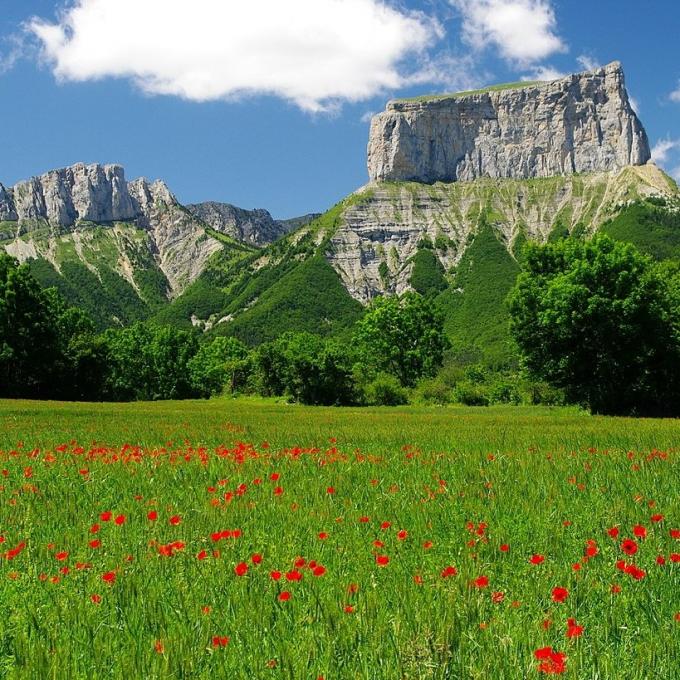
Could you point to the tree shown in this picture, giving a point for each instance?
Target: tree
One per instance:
(311, 369)
(403, 336)
(149, 362)
(29, 342)
(600, 320)
(222, 363)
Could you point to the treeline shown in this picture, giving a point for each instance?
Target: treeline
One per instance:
(49, 350)
(595, 323)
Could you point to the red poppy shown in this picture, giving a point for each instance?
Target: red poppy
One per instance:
(497, 597)
(152, 516)
(349, 609)
(106, 516)
(640, 531)
(61, 556)
(505, 547)
(284, 596)
(319, 570)
(276, 575)
(120, 520)
(241, 569)
(552, 662)
(656, 518)
(95, 543)
(537, 559)
(109, 577)
(386, 525)
(613, 532)
(559, 594)
(573, 629)
(330, 490)
(481, 582)
(449, 571)
(675, 533)
(218, 641)
(382, 560)
(294, 575)
(202, 555)
(323, 535)
(402, 535)
(96, 598)
(175, 520)
(629, 546)
(427, 545)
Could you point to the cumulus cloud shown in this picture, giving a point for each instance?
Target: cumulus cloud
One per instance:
(315, 53)
(524, 31)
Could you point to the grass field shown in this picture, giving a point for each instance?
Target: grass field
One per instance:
(243, 539)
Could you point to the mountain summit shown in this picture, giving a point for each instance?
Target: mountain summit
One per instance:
(581, 123)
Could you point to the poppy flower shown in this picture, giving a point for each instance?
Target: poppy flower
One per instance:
(106, 516)
(629, 546)
(319, 570)
(505, 547)
(449, 571)
(323, 535)
(559, 594)
(497, 597)
(349, 609)
(61, 556)
(278, 491)
(284, 596)
(202, 555)
(175, 520)
(218, 641)
(537, 559)
(95, 543)
(481, 582)
(256, 558)
(120, 520)
(293, 575)
(241, 569)
(402, 535)
(613, 532)
(552, 662)
(330, 490)
(573, 629)
(675, 533)
(109, 577)
(386, 525)
(656, 518)
(96, 598)
(276, 575)
(640, 531)
(152, 516)
(427, 545)
(382, 560)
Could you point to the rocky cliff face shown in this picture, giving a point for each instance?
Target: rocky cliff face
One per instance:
(256, 227)
(582, 123)
(381, 231)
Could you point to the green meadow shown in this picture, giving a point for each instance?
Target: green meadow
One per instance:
(255, 539)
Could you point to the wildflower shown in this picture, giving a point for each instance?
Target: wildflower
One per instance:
(276, 575)
(241, 569)
(218, 641)
(293, 575)
(349, 609)
(106, 516)
(284, 596)
(449, 571)
(175, 520)
(109, 577)
(152, 516)
(640, 531)
(61, 556)
(537, 559)
(497, 597)
(96, 598)
(573, 629)
(481, 582)
(158, 646)
(559, 594)
(504, 547)
(629, 546)
(552, 662)
(323, 535)
(402, 535)
(120, 520)
(382, 560)
(613, 532)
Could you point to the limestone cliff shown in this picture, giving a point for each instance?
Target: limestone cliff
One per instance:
(582, 123)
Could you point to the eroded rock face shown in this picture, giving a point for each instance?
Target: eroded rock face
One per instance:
(582, 123)
(373, 249)
(256, 227)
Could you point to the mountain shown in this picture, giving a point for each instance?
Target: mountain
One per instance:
(256, 227)
(122, 250)
(530, 161)
(459, 183)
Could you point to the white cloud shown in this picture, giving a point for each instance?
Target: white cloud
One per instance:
(367, 117)
(635, 104)
(12, 48)
(675, 96)
(545, 73)
(315, 53)
(663, 149)
(587, 62)
(524, 31)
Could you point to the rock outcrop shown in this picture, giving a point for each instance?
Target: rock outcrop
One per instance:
(581, 123)
(382, 230)
(256, 227)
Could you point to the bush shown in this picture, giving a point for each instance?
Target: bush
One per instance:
(385, 390)
(470, 394)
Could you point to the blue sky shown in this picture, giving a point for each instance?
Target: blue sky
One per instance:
(266, 103)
